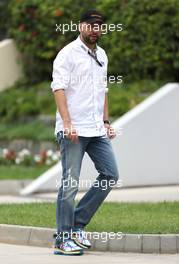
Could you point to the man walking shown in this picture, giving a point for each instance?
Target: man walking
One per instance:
(82, 125)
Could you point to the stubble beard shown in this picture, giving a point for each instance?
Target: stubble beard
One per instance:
(89, 40)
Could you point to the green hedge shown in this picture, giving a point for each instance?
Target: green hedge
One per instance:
(148, 45)
(4, 19)
(33, 26)
(146, 48)
(23, 101)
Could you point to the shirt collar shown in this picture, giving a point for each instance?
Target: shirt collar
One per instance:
(84, 46)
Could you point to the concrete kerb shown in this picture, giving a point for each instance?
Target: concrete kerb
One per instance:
(138, 243)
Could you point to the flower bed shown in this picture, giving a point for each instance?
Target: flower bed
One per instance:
(26, 158)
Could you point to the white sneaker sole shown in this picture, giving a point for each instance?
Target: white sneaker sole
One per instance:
(58, 251)
(81, 245)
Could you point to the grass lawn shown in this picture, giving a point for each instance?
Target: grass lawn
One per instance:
(111, 217)
(17, 172)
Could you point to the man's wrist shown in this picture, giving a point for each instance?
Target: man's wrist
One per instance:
(66, 121)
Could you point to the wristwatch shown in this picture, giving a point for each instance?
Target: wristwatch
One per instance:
(106, 122)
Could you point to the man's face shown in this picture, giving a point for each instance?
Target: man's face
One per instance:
(90, 32)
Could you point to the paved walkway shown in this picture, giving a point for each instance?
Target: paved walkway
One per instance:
(12, 254)
(142, 194)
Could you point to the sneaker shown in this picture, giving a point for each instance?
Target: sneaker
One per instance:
(80, 238)
(68, 247)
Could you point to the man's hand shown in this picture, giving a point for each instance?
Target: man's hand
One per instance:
(70, 132)
(110, 131)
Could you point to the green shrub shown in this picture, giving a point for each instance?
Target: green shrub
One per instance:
(124, 97)
(146, 48)
(22, 101)
(122, 100)
(4, 19)
(33, 25)
(148, 45)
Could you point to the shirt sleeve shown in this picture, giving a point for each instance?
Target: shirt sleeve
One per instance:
(106, 76)
(61, 72)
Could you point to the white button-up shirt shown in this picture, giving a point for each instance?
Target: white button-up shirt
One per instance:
(85, 83)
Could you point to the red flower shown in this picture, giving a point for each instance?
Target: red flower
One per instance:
(21, 27)
(10, 155)
(43, 155)
(34, 33)
(58, 13)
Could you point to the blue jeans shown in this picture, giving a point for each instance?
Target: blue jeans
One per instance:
(101, 153)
